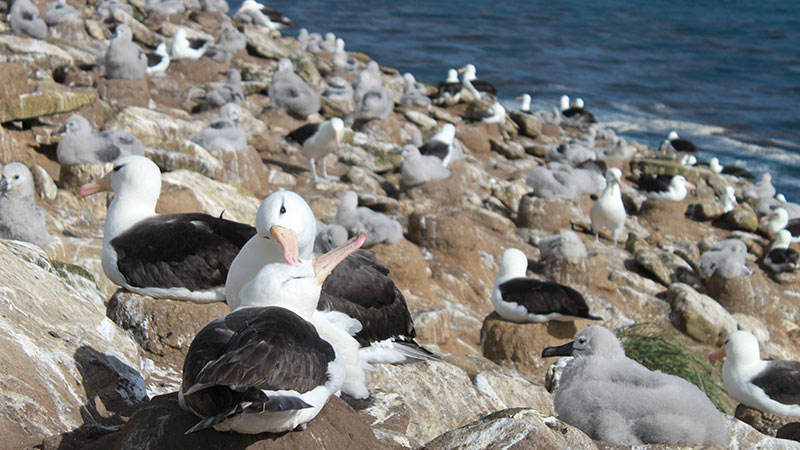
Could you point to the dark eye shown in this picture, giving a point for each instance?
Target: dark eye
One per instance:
(116, 169)
(582, 340)
(16, 177)
(283, 210)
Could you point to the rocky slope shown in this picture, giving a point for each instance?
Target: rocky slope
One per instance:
(86, 366)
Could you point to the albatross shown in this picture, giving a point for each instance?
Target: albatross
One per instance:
(613, 398)
(272, 364)
(608, 212)
(360, 287)
(80, 145)
(665, 187)
(443, 145)
(180, 256)
(288, 91)
(779, 257)
(316, 141)
(185, 48)
(521, 299)
(158, 61)
(771, 386)
(20, 218)
(125, 60)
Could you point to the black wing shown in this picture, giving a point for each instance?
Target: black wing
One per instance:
(794, 227)
(180, 250)
(780, 381)
(683, 145)
(782, 256)
(153, 59)
(301, 134)
(275, 16)
(196, 43)
(651, 182)
(484, 86)
(435, 148)
(545, 297)
(738, 172)
(234, 357)
(578, 114)
(361, 288)
(451, 88)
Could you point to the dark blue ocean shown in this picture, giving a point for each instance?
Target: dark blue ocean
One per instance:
(724, 74)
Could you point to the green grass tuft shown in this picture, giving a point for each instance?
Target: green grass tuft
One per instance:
(658, 348)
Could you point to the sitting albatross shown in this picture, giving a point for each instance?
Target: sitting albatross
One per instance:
(360, 287)
(521, 299)
(613, 398)
(180, 256)
(271, 365)
(771, 386)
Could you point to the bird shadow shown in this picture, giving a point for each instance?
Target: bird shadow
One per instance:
(286, 167)
(114, 391)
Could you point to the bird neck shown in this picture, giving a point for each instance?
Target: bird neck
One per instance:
(127, 209)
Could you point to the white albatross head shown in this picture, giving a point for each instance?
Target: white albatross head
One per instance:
(286, 220)
(295, 287)
(740, 348)
(513, 264)
(564, 102)
(133, 176)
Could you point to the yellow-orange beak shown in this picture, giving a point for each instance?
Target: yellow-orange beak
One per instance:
(461, 70)
(716, 354)
(691, 186)
(765, 218)
(324, 264)
(103, 184)
(287, 238)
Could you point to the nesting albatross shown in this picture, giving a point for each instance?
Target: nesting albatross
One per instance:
(521, 299)
(665, 187)
(80, 145)
(180, 256)
(419, 169)
(289, 92)
(613, 398)
(59, 11)
(771, 386)
(223, 132)
(20, 218)
(185, 48)
(23, 17)
(271, 365)
(379, 228)
(359, 287)
(125, 60)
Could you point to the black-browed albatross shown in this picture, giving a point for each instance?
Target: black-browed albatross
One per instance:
(181, 256)
(271, 365)
(521, 299)
(771, 386)
(360, 287)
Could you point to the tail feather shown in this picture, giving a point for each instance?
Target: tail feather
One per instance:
(215, 419)
(275, 403)
(400, 350)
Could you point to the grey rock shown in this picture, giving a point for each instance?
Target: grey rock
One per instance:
(699, 316)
